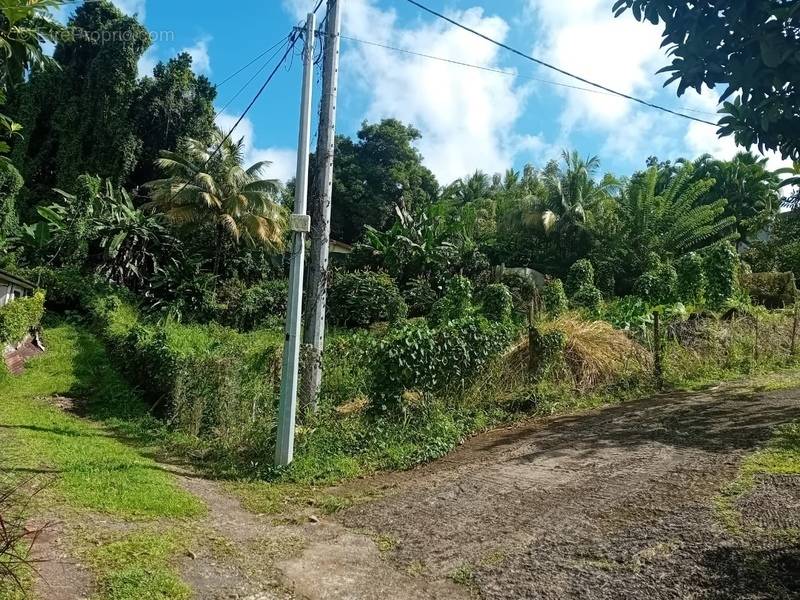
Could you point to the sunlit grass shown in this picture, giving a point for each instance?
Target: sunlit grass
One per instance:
(89, 468)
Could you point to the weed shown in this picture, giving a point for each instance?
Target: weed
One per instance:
(781, 456)
(464, 575)
(385, 543)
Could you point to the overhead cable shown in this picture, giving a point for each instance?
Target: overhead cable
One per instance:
(554, 67)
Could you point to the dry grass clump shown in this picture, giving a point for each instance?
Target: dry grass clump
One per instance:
(596, 353)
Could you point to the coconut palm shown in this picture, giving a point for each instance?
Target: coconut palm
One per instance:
(574, 190)
(206, 184)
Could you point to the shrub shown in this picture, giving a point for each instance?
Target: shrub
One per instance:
(256, 305)
(657, 285)
(420, 297)
(522, 290)
(363, 298)
(11, 183)
(67, 288)
(425, 360)
(554, 298)
(630, 313)
(691, 277)
(548, 351)
(19, 316)
(580, 274)
(589, 298)
(497, 302)
(720, 263)
(774, 290)
(455, 303)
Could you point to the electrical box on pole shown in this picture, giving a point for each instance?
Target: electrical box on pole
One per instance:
(299, 222)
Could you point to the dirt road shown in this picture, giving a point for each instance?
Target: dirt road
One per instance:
(617, 503)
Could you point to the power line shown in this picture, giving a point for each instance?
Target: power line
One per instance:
(553, 67)
(252, 62)
(495, 70)
(249, 81)
(292, 42)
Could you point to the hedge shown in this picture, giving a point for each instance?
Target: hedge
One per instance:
(208, 379)
(19, 316)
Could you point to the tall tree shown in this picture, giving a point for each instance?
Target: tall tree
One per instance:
(206, 184)
(172, 104)
(78, 115)
(24, 26)
(90, 112)
(750, 48)
(750, 188)
(380, 171)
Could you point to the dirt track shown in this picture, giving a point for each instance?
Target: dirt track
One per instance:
(617, 503)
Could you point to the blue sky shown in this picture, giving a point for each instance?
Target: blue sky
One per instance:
(469, 118)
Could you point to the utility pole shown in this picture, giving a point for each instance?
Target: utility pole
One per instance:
(300, 226)
(314, 334)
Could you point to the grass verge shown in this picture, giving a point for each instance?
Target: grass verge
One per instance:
(88, 471)
(781, 456)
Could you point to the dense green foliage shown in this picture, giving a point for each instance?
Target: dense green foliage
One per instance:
(748, 47)
(421, 360)
(497, 302)
(380, 171)
(90, 113)
(554, 297)
(18, 317)
(721, 272)
(363, 298)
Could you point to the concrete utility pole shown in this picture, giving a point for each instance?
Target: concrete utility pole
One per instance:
(300, 226)
(314, 334)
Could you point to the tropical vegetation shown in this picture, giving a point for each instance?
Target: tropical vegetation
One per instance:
(462, 305)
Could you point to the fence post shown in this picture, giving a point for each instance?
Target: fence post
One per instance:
(755, 342)
(657, 367)
(794, 326)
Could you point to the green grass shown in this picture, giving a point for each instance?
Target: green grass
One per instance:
(86, 470)
(282, 498)
(138, 566)
(91, 469)
(781, 456)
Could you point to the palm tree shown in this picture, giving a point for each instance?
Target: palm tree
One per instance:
(573, 189)
(477, 186)
(207, 184)
(752, 190)
(674, 222)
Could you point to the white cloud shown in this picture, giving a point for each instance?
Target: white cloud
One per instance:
(583, 37)
(201, 61)
(148, 62)
(132, 7)
(467, 117)
(283, 160)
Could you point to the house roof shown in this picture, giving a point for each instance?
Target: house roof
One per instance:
(6, 276)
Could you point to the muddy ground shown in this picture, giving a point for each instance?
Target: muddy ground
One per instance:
(617, 503)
